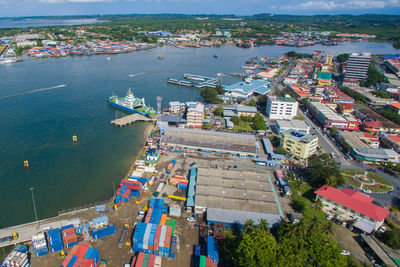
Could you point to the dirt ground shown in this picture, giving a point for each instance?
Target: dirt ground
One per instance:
(347, 240)
(185, 231)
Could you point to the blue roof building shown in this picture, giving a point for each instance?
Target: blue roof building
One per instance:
(246, 89)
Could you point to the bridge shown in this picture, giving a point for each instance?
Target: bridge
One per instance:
(129, 119)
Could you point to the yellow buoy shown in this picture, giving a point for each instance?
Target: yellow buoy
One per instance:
(74, 138)
(26, 164)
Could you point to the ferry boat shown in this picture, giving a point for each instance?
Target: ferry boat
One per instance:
(7, 60)
(131, 104)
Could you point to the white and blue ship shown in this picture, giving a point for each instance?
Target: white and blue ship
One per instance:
(131, 104)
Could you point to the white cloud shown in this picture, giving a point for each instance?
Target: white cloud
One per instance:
(343, 5)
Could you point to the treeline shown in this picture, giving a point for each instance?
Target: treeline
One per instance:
(307, 243)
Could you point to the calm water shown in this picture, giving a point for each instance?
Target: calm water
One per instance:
(39, 126)
(31, 23)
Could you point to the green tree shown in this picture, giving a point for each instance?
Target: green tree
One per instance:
(257, 248)
(262, 101)
(210, 95)
(322, 169)
(342, 57)
(334, 131)
(252, 103)
(258, 123)
(218, 111)
(220, 89)
(374, 77)
(281, 150)
(235, 119)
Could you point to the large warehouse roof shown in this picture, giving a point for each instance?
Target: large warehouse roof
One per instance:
(210, 140)
(235, 190)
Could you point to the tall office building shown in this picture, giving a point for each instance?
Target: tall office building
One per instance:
(357, 66)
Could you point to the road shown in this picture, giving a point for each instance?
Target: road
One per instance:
(328, 146)
(25, 231)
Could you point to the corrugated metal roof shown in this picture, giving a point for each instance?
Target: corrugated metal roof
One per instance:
(240, 217)
(192, 187)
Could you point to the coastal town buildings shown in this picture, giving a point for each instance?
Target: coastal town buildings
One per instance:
(329, 118)
(300, 126)
(176, 107)
(391, 141)
(284, 108)
(352, 206)
(194, 114)
(357, 66)
(242, 110)
(300, 145)
(248, 88)
(324, 78)
(394, 65)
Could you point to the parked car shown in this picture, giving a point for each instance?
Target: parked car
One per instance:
(191, 219)
(345, 253)
(329, 217)
(141, 214)
(382, 229)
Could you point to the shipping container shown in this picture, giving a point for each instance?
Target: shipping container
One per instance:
(94, 255)
(104, 231)
(55, 240)
(202, 261)
(145, 260)
(152, 259)
(139, 259)
(163, 219)
(18, 257)
(157, 262)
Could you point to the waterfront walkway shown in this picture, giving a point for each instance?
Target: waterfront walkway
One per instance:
(129, 119)
(25, 231)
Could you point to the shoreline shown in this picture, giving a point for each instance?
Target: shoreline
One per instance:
(149, 128)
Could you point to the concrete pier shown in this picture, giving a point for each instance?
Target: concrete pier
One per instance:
(129, 119)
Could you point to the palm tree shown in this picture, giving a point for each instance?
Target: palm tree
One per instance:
(318, 204)
(249, 225)
(314, 224)
(328, 228)
(302, 227)
(263, 224)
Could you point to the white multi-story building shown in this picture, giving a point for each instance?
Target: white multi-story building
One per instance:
(357, 66)
(195, 114)
(176, 107)
(281, 108)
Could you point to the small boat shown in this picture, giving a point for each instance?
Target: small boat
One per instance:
(215, 56)
(160, 57)
(108, 58)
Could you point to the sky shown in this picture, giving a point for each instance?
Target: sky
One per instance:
(17, 8)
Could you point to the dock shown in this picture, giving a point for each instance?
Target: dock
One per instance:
(129, 119)
(195, 81)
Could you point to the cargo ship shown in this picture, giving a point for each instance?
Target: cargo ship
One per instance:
(131, 104)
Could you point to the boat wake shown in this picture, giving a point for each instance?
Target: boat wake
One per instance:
(137, 74)
(34, 91)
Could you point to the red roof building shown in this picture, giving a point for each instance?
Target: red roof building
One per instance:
(392, 141)
(350, 205)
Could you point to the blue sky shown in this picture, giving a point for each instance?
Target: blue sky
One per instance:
(14, 8)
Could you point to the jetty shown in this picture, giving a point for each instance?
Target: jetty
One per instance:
(129, 119)
(195, 81)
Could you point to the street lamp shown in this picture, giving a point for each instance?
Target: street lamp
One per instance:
(34, 206)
